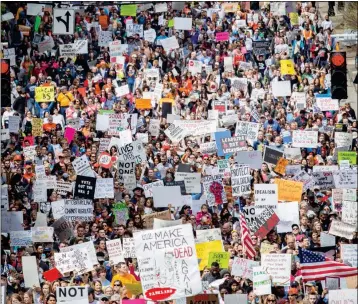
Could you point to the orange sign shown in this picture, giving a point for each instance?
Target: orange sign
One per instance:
(281, 166)
(143, 104)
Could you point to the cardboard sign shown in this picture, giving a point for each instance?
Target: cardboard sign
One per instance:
(148, 219)
(279, 267)
(264, 223)
(85, 187)
(271, 155)
(72, 294)
(174, 266)
(289, 190)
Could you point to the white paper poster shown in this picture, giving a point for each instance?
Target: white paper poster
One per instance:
(115, 252)
(304, 139)
(243, 268)
(266, 195)
(170, 43)
(281, 88)
(261, 281)
(279, 267)
(343, 295)
(104, 188)
(29, 268)
(168, 263)
(183, 23)
(72, 294)
(162, 196)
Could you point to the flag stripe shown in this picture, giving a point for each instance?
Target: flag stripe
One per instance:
(246, 240)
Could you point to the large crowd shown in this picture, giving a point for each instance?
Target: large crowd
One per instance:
(155, 99)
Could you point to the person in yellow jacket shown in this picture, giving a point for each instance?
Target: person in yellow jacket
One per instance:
(64, 99)
(124, 276)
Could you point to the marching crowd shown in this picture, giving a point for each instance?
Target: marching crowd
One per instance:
(199, 79)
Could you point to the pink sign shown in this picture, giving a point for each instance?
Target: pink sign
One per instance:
(224, 36)
(69, 134)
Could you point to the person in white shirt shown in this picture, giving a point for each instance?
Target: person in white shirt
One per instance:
(327, 24)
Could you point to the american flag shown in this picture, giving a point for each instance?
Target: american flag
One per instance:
(316, 267)
(246, 240)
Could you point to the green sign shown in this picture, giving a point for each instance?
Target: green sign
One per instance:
(105, 112)
(171, 23)
(348, 155)
(220, 257)
(129, 10)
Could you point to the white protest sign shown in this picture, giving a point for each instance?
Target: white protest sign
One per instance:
(11, 221)
(117, 49)
(327, 104)
(148, 188)
(82, 166)
(170, 43)
(14, 122)
(288, 213)
(63, 229)
(175, 132)
(63, 21)
(104, 38)
(266, 195)
(279, 267)
(134, 29)
(163, 196)
(10, 54)
(77, 259)
(34, 9)
(349, 212)
(21, 238)
(261, 281)
(349, 254)
(208, 235)
(343, 295)
(249, 130)
(208, 148)
(240, 180)
(304, 139)
(58, 209)
(115, 252)
(42, 234)
(63, 188)
(87, 246)
(122, 91)
(72, 294)
(7, 16)
(243, 268)
(161, 7)
(349, 195)
(345, 179)
(40, 191)
(183, 23)
(158, 223)
(30, 152)
(150, 35)
(78, 209)
(167, 258)
(325, 168)
(341, 139)
(281, 88)
(342, 229)
(191, 181)
(154, 127)
(104, 188)
(30, 272)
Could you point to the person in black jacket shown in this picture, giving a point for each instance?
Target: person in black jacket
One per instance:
(20, 104)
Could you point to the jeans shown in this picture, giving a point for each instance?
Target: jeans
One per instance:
(31, 106)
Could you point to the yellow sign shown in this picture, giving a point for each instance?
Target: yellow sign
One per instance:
(203, 250)
(220, 257)
(45, 94)
(230, 7)
(287, 67)
(37, 127)
(289, 190)
(281, 166)
(294, 18)
(266, 248)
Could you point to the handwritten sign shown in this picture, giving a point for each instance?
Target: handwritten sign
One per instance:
(45, 94)
(289, 190)
(279, 267)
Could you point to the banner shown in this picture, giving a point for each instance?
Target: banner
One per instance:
(240, 180)
(167, 258)
(289, 190)
(279, 267)
(45, 94)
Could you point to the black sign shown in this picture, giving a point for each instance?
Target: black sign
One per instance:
(181, 184)
(166, 109)
(272, 156)
(85, 187)
(261, 47)
(184, 168)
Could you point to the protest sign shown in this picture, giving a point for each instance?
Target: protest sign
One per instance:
(287, 67)
(240, 180)
(135, 288)
(222, 36)
(191, 181)
(148, 188)
(292, 153)
(63, 188)
(150, 35)
(11, 221)
(261, 281)
(148, 219)
(349, 212)
(324, 180)
(72, 294)
(63, 229)
(271, 155)
(40, 191)
(170, 43)
(288, 214)
(183, 23)
(349, 254)
(116, 48)
(351, 156)
(81, 166)
(171, 256)
(266, 195)
(8, 16)
(281, 166)
(115, 252)
(133, 29)
(104, 188)
(163, 196)
(261, 47)
(222, 258)
(202, 298)
(264, 223)
(77, 259)
(208, 235)
(87, 247)
(85, 187)
(10, 55)
(343, 139)
(58, 209)
(243, 268)
(52, 275)
(203, 250)
(233, 144)
(281, 88)
(305, 178)
(345, 179)
(128, 248)
(42, 234)
(343, 295)
(327, 240)
(251, 158)
(30, 272)
(349, 195)
(132, 151)
(104, 38)
(195, 66)
(327, 104)
(129, 10)
(289, 190)
(214, 189)
(342, 229)
(292, 169)
(158, 223)
(30, 152)
(266, 248)
(21, 238)
(235, 298)
(78, 209)
(14, 124)
(279, 267)
(304, 139)
(208, 148)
